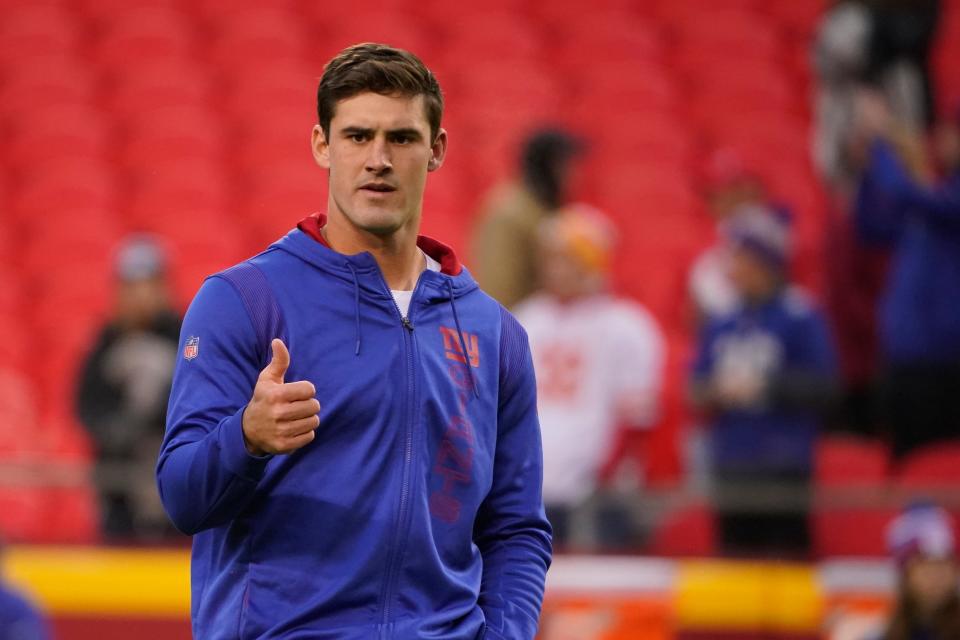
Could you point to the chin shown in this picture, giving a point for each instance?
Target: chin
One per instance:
(378, 221)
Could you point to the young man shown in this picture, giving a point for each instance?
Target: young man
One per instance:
(410, 505)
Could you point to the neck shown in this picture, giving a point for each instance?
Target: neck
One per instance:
(396, 253)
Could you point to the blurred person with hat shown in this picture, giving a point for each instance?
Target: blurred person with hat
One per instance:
(763, 375)
(728, 184)
(123, 388)
(599, 361)
(921, 541)
(506, 236)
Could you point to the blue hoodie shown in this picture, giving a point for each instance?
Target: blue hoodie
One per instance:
(920, 311)
(416, 512)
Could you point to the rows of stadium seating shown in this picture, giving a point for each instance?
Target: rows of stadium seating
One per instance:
(190, 118)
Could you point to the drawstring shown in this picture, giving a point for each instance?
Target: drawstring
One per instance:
(356, 303)
(463, 344)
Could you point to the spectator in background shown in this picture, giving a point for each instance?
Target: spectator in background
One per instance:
(729, 185)
(763, 373)
(505, 240)
(599, 362)
(880, 43)
(920, 309)
(921, 540)
(122, 393)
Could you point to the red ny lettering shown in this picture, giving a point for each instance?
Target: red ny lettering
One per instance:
(454, 350)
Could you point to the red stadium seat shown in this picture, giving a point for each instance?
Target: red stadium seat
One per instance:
(51, 132)
(175, 189)
(160, 84)
(396, 28)
(81, 182)
(851, 531)
(169, 134)
(685, 531)
(847, 461)
(609, 37)
(45, 81)
(282, 88)
(255, 36)
(934, 466)
(143, 35)
(31, 32)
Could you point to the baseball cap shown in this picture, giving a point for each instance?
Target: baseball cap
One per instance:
(140, 257)
(922, 529)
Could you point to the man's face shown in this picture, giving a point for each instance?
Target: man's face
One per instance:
(378, 156)
(931, 581)
(749, 274)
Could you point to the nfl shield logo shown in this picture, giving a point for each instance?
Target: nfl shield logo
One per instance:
(192, 348)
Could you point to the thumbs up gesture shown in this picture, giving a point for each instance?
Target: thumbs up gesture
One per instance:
(281, 416)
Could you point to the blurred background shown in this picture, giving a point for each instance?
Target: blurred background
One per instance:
(731, 228)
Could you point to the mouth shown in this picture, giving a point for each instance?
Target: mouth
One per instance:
(378, 188)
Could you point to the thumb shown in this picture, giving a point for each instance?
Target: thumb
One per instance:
(278, 364)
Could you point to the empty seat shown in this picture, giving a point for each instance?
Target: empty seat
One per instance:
(254, 35)
(31, 32)
(848, 461)
(52, 80)
(851, 531)
(688, 530)
(170, 134)
(159, 84)
(51, 132)
(142, 35)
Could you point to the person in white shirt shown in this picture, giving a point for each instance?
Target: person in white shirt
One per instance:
(599, 359)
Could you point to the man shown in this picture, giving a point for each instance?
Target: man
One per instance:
(599, 360)
(410, 505)
(764, 373)
(122, 393)
(505, 239)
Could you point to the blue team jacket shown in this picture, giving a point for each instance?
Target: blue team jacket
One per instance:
(920, 310)
(416, 512)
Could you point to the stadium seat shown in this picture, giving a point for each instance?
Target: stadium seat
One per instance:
(255, 36)
(82, 182)
(32, 32)
(140, 36)
(283, 88)
(851, 531)
(686, 531)
(48, 81)
(848, 461)
(936, 466)
(49, 133)
(166, 135)
(159, 84)
(396, 28)
(609, 37)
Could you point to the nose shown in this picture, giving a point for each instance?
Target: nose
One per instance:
(378, 162)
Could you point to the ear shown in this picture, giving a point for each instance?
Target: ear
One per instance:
(438, 151)
(320, 148)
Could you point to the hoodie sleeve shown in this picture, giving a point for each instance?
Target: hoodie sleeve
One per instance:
(512, 531)
(205, 475)
(887, 193)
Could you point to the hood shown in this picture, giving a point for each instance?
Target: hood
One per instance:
(307, 243)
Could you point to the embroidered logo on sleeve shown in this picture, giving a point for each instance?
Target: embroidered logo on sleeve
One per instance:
(192, 348)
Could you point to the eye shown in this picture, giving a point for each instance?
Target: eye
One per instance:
(401, 139)
(358, 137)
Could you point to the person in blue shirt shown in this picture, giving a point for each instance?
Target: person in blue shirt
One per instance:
(764, 374)
(19, 618)
(352, 436)
(919, 314)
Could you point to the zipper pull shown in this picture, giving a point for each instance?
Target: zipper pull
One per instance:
(407, 323)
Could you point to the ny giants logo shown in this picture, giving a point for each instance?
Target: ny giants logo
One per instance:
(454, 461)
(454, 349)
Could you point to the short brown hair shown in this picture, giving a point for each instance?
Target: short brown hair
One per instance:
(381, 69)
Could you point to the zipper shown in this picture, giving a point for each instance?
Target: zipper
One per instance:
(399, 541)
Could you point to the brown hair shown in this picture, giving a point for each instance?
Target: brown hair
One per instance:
(381, 69)
(905, 620)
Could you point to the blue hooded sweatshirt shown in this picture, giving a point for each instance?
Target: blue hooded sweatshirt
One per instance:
(920, 311)
(416, 512)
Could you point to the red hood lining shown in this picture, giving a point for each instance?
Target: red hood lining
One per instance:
(449, 264)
